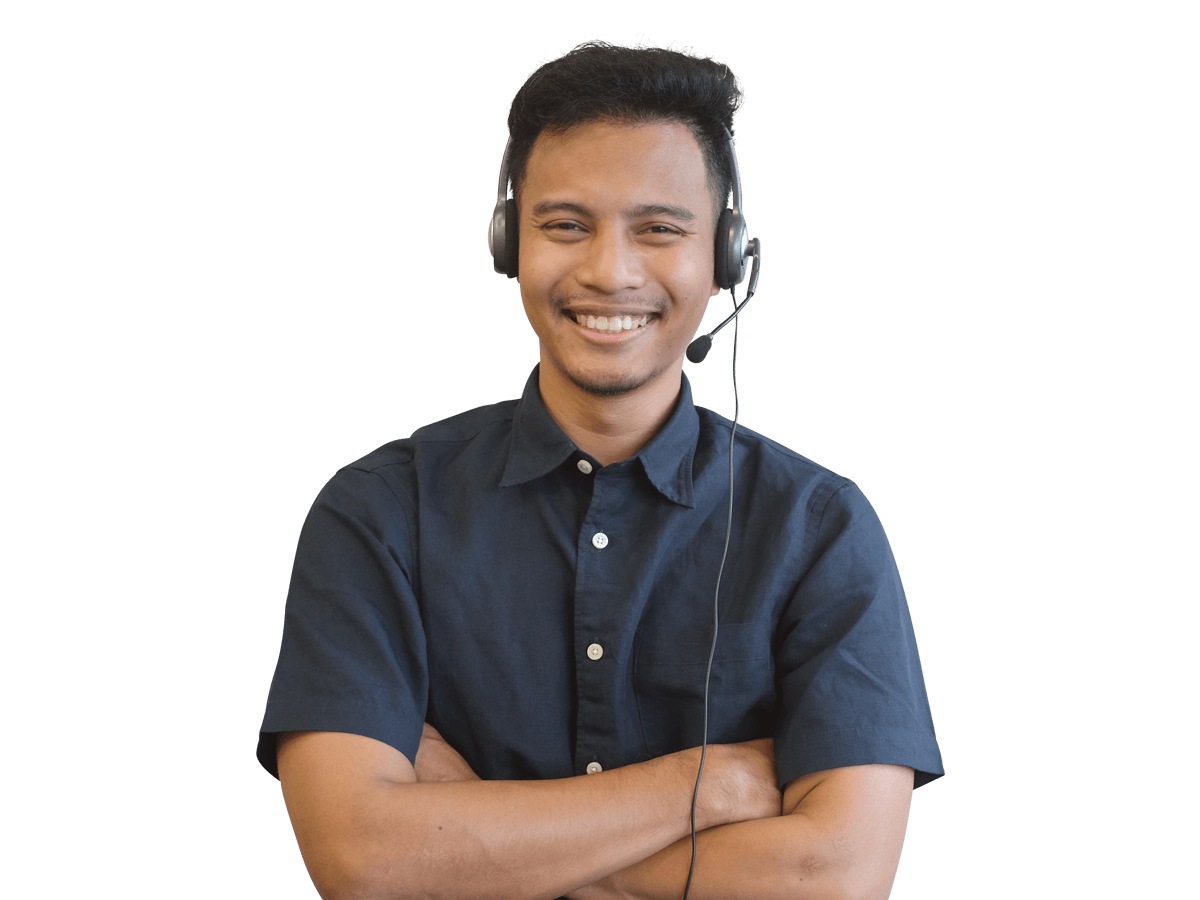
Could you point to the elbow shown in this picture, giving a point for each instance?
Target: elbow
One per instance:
(869, 890)
(811, 890)
(350, 873)
(816, 878)
(335, 881)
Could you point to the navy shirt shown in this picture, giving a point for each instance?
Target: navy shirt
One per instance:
(545, 612)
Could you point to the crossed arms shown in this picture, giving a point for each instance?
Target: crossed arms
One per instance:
(370, 824)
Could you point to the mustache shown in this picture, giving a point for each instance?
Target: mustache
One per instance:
(642, 303)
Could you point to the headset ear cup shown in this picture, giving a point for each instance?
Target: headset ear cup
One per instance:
(511, 231)
(502, 238)
(730, 251)
(720, 276)
(496, 236)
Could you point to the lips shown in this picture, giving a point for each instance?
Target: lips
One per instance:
(609, 324)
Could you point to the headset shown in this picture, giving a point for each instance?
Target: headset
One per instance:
(732, 249)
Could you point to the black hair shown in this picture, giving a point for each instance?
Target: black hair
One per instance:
(598, 81)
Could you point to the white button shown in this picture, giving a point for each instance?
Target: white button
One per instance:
(595, 651)
(594, 767)
(599, 540)
(584, 466)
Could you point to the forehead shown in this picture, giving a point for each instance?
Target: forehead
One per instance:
(609, 166)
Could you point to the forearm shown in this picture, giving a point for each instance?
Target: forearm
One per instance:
(766, 858)
(450, 835)
(840, 837)
(526, 839)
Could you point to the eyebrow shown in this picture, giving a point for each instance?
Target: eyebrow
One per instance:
(682, 213)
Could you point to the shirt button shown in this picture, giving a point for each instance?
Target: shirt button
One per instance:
(599, 540)
(584, 466)
(595, 651)
(594, 767)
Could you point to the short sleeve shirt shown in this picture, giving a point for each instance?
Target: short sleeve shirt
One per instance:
(548, 614)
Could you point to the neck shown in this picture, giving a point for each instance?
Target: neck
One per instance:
(609, 429)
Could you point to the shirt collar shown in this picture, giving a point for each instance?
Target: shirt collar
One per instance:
(539, 445)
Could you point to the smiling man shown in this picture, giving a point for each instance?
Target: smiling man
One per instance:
(494, 664)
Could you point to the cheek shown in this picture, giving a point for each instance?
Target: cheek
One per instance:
(701, 265)
(535, 311)
(697, 284)
(537, 270)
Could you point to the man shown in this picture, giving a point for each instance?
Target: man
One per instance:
(493, 673)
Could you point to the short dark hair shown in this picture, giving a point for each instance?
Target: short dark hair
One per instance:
(634, 85)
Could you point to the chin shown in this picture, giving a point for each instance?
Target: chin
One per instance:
(607, 386)
(608, 383)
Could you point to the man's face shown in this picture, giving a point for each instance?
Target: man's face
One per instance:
(616, 258)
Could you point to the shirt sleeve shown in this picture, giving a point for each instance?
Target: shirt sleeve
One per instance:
(353, 657)
(849, 679)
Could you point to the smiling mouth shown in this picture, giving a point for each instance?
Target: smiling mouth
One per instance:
(609, 324)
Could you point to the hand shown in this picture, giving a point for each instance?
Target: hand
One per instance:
(739, 784)
(438, 761)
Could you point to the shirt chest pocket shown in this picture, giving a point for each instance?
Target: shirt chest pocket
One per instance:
(669, 668)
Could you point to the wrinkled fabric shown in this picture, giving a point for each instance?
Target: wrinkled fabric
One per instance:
(457, 577)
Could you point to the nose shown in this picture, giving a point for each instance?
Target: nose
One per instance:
(612, 263)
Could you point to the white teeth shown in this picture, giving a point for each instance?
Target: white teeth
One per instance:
(612, 324)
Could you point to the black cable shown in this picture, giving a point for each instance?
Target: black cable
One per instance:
(716, 607)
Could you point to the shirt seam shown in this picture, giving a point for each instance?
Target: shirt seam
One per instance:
(408, 526)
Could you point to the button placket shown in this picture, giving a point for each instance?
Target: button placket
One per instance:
(595, 601)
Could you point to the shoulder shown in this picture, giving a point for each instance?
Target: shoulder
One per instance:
(390, 474)
(485, 423)
(486, 429)
(475, 424)
(788, 475)
(716, 428)
(809, 507)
